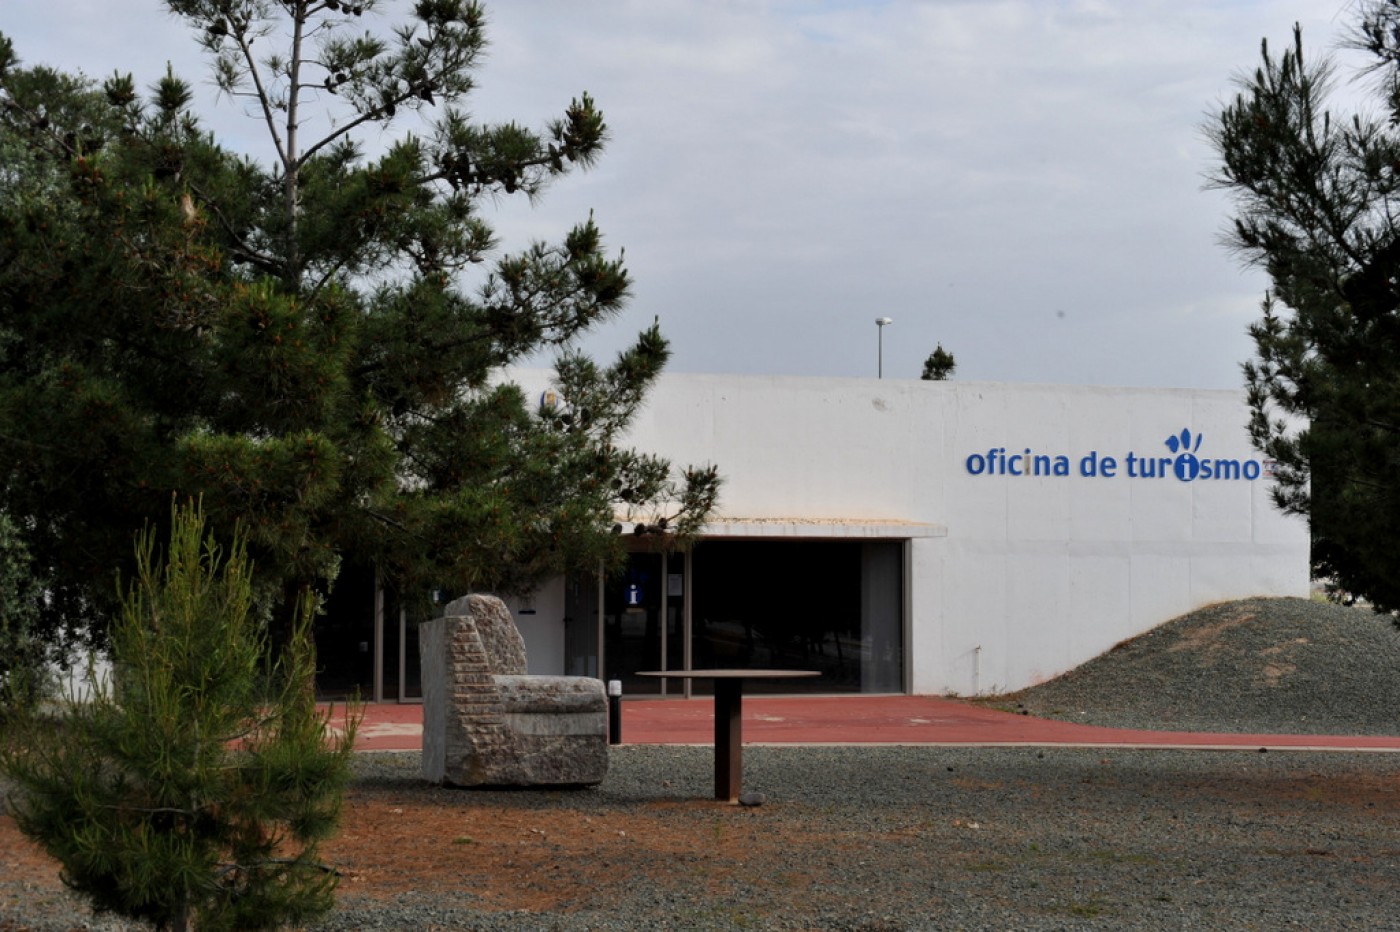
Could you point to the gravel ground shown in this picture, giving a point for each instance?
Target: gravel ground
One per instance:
(861, 838)
(928, 838)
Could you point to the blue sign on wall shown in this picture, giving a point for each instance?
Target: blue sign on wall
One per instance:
(1184, 463)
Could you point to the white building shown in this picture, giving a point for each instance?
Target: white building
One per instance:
(930, 537)
(922, 537)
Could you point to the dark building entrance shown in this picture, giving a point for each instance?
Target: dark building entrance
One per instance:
(835, 606)
(367, 640)
(832, 606)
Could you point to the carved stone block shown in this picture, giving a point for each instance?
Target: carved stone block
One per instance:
(488, 723)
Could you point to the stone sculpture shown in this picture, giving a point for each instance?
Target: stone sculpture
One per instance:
(486, 722)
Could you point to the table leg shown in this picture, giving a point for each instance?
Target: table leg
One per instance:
(729, 739)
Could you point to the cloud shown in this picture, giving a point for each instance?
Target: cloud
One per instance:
(781, 173)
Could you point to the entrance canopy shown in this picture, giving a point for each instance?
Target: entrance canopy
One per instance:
(816, 528)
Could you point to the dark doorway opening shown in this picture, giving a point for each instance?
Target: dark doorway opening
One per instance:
(836, 607)
(831, 606)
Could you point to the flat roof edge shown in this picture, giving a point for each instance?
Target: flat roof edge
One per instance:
(812, 528)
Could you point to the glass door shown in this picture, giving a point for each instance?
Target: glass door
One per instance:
(835, 607)
(632, 624)
(581, 625)
(644, 622)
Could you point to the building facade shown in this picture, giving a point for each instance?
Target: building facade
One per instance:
(923, 537)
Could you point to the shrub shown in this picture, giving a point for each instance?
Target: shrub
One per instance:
(191, 788)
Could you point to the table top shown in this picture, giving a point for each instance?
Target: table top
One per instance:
(730, 674)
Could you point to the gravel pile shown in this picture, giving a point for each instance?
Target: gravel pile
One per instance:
(1287, 666)
(913, 838)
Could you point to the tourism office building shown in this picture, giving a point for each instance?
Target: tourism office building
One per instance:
(901, 536)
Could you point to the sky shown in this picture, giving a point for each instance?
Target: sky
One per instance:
(1020, 181)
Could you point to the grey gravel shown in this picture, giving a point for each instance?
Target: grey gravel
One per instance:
(913, 838)
(1284, 666)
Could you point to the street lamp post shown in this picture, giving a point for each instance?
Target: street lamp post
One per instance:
(880, 323)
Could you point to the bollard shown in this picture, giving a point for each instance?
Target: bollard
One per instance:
(614, 711)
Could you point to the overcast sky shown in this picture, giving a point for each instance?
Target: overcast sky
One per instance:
(1020, 180)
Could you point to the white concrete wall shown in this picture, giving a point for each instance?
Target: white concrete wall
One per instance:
(1035, 574)
(541, 622)
(1044, 573)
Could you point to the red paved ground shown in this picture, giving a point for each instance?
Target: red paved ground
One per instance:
(866, 720)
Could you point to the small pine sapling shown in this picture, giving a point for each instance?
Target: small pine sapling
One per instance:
(191, 786)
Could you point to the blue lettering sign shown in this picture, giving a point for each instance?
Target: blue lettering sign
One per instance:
(1185, 463)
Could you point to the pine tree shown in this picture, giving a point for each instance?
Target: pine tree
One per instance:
(1316, 207)
(939, 365)
(24, 677)
(192, 787)
(311, 343)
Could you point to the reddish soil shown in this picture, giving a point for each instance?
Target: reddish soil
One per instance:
(535, 859)
(498, 857)
(504, 856)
